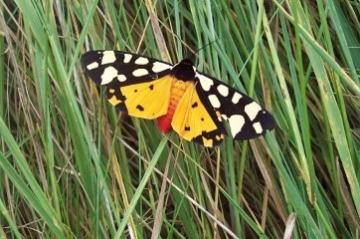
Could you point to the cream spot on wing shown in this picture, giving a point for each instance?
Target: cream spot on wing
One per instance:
(218, 115)
(127, 58)
(108, 75)
(236, 123)
(223, 90)
(224, 117)
(121, 78)
(108, 57)
(205, 82)
(142, 61)
(236, 97)
(92, 66)
(159, 66)
(252, 110)
(114, 101)
(140, 72)
(257, 127)
(214, 101)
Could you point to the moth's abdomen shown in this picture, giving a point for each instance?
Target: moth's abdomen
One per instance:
(178, 88)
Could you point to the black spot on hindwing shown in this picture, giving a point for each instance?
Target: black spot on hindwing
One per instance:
(139, 107)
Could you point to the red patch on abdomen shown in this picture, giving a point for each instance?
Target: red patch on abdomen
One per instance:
(164, 122)
(178, 88)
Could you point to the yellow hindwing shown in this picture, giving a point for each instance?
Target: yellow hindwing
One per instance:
(147, 100)
(191, 119)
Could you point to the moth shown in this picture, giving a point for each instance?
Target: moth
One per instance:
(177, 96)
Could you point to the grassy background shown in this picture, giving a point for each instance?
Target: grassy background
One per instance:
(73, 167)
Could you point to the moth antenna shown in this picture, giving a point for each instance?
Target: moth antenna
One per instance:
(197, 51)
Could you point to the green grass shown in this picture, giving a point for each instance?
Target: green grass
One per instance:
(73, 167)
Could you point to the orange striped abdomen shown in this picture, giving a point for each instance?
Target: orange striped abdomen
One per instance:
(178, 88)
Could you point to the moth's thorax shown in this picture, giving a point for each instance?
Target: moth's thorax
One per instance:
(178, 88)
(185, 70)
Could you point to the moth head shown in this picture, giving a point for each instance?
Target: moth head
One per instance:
(185, 70)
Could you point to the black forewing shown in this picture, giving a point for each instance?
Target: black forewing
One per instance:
(123, 67)
(228, 109)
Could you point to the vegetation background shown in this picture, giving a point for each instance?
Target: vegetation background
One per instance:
(73, 167)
